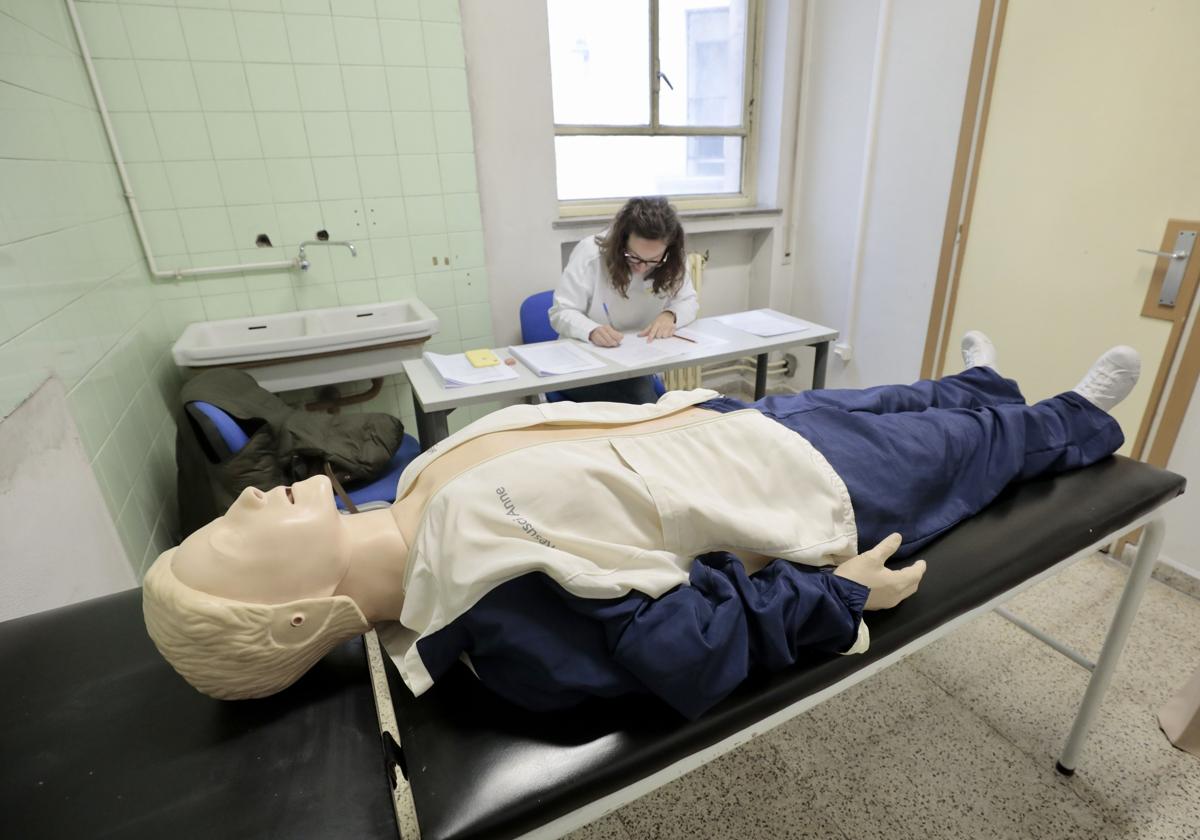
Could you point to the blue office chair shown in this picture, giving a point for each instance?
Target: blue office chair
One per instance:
(535, 327)
(227, 437)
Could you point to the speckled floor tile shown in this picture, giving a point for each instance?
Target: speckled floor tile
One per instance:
(859, 714)
(1029, 695)
(605, 828)
(1185, 582)
(947, 774)
(1170, 812)
(748, 794)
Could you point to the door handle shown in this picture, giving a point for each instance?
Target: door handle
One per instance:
(1174, 255)
(1184, 242)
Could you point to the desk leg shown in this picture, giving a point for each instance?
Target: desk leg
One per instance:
(431, 427)
(820, 363)
(760, 377)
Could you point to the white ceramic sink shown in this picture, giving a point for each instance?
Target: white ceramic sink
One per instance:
(313, 347)
(291, 335)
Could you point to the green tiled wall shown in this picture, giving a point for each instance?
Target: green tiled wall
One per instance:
(235, 117)
(285, 117)
(75, 299)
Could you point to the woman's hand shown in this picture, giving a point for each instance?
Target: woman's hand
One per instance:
(663, 326)
(888, 586)
(605, 336)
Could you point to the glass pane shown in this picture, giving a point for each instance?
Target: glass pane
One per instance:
(702, 56)
(600, 62)
(616, 167)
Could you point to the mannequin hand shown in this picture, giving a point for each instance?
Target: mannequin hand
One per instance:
(663, 326)
(888, 587)
(605, 336)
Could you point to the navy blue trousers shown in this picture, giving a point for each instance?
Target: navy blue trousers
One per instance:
(917, 459)
(636, 390)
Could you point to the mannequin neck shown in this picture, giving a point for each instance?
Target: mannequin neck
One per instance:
(378, 559)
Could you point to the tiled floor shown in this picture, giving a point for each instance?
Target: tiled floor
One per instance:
(959, 741)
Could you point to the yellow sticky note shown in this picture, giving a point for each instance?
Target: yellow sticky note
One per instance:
(482, 358)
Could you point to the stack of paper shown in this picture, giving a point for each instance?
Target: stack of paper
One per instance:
(763, 322)
(456, 372)
(550, 358)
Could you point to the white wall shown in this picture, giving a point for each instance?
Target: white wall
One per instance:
(926, 58)
(59, 544)
(508, 78)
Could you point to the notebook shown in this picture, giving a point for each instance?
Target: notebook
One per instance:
(455, 371)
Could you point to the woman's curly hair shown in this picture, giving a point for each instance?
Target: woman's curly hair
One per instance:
(650, 217)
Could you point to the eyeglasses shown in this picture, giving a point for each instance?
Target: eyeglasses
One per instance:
(635, 260)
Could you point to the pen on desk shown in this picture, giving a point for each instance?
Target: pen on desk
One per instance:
(685, 338)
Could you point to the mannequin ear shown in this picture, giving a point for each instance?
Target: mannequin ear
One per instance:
(300, 622)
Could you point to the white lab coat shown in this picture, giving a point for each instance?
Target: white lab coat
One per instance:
(585, 287)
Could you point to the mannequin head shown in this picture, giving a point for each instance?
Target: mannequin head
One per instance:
(247, 603)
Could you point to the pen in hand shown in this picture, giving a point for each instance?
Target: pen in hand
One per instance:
(608, 315)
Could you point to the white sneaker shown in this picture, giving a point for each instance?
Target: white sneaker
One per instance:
(978, 350)
(1111, 378)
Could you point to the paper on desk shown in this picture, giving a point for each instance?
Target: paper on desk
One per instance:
(550, 358)
(635, 350)
(763, 322)
(456, 372)
(695, 339)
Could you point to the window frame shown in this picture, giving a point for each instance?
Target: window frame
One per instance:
(747, 130)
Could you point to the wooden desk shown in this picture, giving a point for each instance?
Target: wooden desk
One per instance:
(433, 402)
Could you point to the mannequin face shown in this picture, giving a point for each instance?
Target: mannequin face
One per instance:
(270, 548)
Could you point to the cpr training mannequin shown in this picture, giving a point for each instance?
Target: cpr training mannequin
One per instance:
(575, 550)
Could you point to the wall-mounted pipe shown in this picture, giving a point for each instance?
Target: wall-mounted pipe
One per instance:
(134, 211)
(844, 348)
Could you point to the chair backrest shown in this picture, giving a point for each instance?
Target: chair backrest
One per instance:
(535, 318)
(231, 434)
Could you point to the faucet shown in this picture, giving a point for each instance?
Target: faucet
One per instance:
(303, 261)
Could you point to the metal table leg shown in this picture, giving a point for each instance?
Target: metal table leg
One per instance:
(1118, 630)
(432, 426)
(760, 377)
(819, 364)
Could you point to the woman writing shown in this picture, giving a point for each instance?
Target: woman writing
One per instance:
(631, 278)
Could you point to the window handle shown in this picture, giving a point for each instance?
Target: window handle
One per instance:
(663, 76)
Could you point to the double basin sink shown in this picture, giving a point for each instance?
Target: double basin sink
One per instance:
(312, 347)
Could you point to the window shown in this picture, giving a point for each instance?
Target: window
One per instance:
(652, 97)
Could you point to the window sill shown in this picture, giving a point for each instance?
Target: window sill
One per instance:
(699, 221)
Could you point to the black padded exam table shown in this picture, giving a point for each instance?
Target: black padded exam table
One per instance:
(477, 767)
(101, 739)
